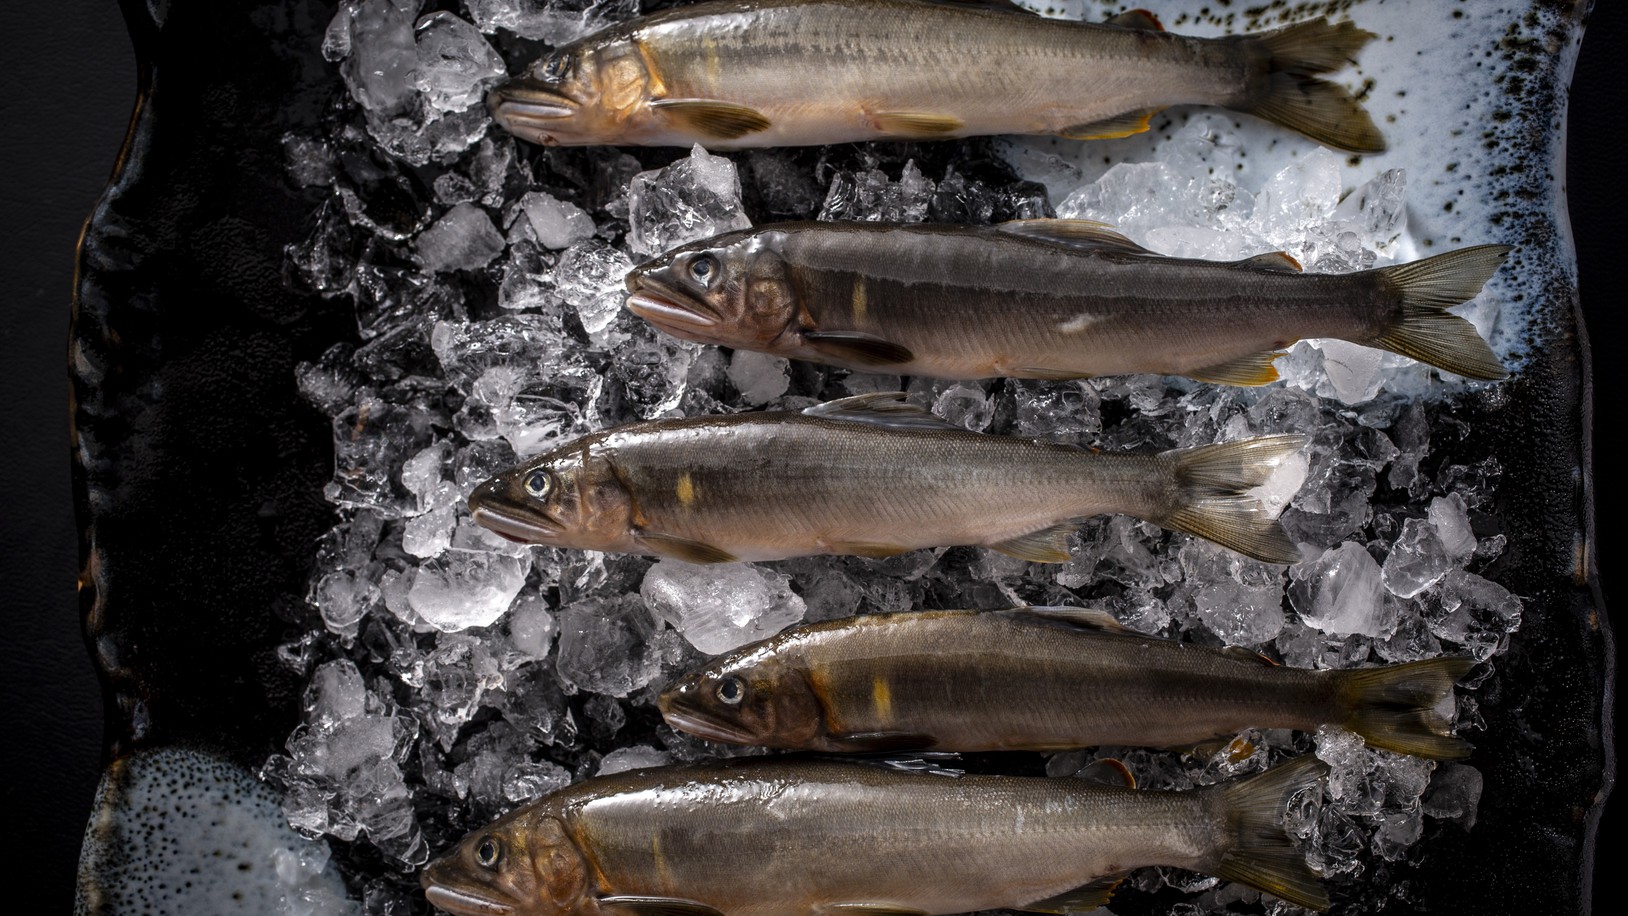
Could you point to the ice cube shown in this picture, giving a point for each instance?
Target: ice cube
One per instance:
(466, 588)
(463, 239)
(694, 198)
(719, 608)
(1341, 592)
(455, 64)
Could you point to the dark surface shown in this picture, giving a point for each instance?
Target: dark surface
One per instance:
(56, 156)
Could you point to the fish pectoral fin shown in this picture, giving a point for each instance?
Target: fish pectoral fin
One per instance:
(1109, 771)
(887, 409)
(1079, 900)
(881, 742)
(915, 123)
(866, 909)
(1081, 617)
(1136, 19)
(656, 906)
(1048, 545)
(711, 118)
(1075, 233)
(1249, 370)
(678, 548)
(858, 347)
(1112, 128)
(1272, 260)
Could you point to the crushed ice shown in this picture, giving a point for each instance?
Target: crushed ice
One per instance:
(453, 675)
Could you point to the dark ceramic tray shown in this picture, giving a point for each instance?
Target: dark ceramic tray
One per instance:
(199, 469)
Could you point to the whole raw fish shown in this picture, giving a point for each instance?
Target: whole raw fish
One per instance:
(1046, 299)
(780, 837)
(1039, 679)
(732, 74)
(868, 475)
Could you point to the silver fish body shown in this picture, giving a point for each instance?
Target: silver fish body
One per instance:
(1046, 299)
(867, 475)
(752, 73)
(792, 838)
(1037, 679)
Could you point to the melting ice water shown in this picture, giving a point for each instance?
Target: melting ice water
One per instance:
(453, 674)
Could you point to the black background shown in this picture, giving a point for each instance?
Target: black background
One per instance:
(65, 101)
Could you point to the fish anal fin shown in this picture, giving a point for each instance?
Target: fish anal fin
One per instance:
(656, 906)
(1075, 233)
(866, 909)
(1079, 900)
(863, 549)
(1048, 545)
(915, 123)
(1083, 617)
(1050, 375)
(679, 548)
(711, 118)
(887, 409)
(1273, 260)
(858, 347)
(1002, 5)
(881, 742)
(1249, 655)
(1248, 370)
(1113, 128)
(1136, 19)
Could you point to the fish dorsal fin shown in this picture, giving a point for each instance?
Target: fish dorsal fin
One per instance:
(1082, 899)
(1109, 771)
(1075, 233)
(1249, 655)
(656, 906)
(1273, 260)
(1136, 19)
(887, 409)
(711, 118)
(1123, 125)
(1248, 370)
(1083, 617)
(858, 347)
(1048, 545)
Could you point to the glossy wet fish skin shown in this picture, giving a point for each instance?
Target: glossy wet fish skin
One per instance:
(787, 837)
(866, 475)
(1040, 299)
(757, 73)
(1039, 679)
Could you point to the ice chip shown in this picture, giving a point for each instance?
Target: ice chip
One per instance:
(607, 645)
(532, 626)
(718, 608)
(1454, 794)
(692, 199)
(589, 278)
(1352, 369)
(465, 588)
(374, 39)
(1417, 560)
(870, 195)
(554, 22)
(636, 757)
(759, 378)
(1341, 592)
(1472, 612)
(1451, 522)
(555, 223)
(455, 64)
(463, 239)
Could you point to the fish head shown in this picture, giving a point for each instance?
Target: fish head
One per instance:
(732, 290)
(524, 864)
(759, 695)
(569, 497)
(585, 93)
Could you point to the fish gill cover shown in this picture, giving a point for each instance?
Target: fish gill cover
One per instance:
(453, 675)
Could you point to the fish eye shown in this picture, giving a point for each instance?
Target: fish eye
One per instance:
(730, 691)
(703, 269)
(489, 853)
(539, 483)
(557, 67)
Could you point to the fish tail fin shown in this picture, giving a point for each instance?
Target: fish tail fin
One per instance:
(1296, 98)
(1395, 707)
(1257, 851)
(1429, 333)
(1212, 483)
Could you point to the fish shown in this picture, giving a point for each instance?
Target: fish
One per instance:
(1046, 299)
(1039, 679)
(869, 475)
(786, 837)
(737, 74)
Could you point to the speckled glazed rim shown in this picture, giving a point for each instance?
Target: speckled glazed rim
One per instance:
(196, 520)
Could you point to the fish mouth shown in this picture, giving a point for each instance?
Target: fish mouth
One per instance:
(530, 111)
(463, 902)
(681, 716)
(491, 511)
(676, 313)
